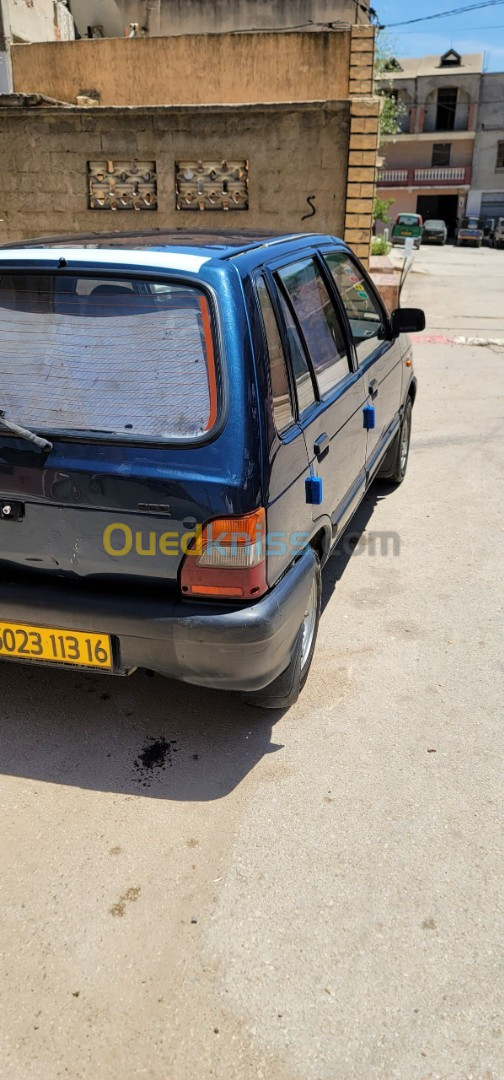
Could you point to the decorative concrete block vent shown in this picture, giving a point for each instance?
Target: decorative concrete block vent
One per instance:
(211, 185)
(122, 185)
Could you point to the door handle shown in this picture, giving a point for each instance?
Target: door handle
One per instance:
(373, 389)
(322, 445)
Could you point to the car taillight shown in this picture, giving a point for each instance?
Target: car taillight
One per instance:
(228, 560)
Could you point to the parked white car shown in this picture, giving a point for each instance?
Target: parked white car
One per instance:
(435, 232)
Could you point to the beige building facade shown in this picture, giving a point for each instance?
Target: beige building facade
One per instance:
(486, 197)
(427, 165)
(117, 18)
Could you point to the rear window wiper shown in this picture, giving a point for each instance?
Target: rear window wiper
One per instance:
(24, 433)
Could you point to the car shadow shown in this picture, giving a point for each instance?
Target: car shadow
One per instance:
(345, 548)
(143, 735)
(140, 735)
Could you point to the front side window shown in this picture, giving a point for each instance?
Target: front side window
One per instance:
(318, 320)
(280, 392)
(364, 314)
(123, 357)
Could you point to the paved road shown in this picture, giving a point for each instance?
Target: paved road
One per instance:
(190, 889)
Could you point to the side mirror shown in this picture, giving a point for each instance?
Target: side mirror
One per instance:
(407, 321)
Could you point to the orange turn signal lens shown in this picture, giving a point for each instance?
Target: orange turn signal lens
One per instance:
(228, 558)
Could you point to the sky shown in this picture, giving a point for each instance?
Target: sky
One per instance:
(476, 31)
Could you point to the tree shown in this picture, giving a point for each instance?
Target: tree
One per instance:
(381, 208)
(393, 110)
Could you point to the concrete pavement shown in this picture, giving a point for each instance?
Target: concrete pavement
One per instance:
(192, 889)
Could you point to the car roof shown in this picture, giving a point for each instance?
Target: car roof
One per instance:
(207, 244)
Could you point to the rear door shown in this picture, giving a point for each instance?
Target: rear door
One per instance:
(286, 460)
(332, 398)
(377, 356)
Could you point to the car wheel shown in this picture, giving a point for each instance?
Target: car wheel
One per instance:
(284, 690)
(403, 447)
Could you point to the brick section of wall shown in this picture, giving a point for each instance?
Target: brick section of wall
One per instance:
(363, 142)
(361, 73)
(361, 179)
(294, 151)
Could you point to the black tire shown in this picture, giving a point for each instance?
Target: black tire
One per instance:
(403, 446)
(286, 688)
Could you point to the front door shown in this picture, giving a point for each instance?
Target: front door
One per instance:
(333, 423)
(378, 357)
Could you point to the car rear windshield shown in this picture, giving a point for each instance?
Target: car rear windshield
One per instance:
(435, 225)
(408, 219)
(471, 223)
(129, 357)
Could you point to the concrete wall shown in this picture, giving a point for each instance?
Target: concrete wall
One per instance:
(294, 151)
(168, 17)
(490, 131)
(189, 70)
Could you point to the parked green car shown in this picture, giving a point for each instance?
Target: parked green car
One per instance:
(405, 226)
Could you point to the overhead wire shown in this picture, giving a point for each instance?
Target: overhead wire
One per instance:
(444, 14)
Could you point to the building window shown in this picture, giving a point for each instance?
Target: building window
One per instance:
(441, 153)
(211, 185)
(122, 185)
(500, 156)
(446, 109)
(451, 59)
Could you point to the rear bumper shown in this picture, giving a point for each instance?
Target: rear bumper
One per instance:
(230, 648)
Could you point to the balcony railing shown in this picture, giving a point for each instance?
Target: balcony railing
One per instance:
(393, 176)
(438, 176)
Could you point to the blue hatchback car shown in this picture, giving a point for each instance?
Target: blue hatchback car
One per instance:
(188, 423)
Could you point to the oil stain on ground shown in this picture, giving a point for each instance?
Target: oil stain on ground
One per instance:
(153, 758)
(119, 908)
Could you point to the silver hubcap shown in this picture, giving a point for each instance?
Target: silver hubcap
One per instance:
(309, 623)
(405, 443)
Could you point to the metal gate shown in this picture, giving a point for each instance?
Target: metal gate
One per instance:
(492, 205)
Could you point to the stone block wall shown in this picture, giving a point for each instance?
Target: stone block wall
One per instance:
(294, 153)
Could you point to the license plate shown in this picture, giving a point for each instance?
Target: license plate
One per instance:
(407, 233)
(44, 644)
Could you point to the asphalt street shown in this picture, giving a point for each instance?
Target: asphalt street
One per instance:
(193, 889)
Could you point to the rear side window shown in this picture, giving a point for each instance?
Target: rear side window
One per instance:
(304, 385)
(129, 357)
(318, 320)
(280, 391)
